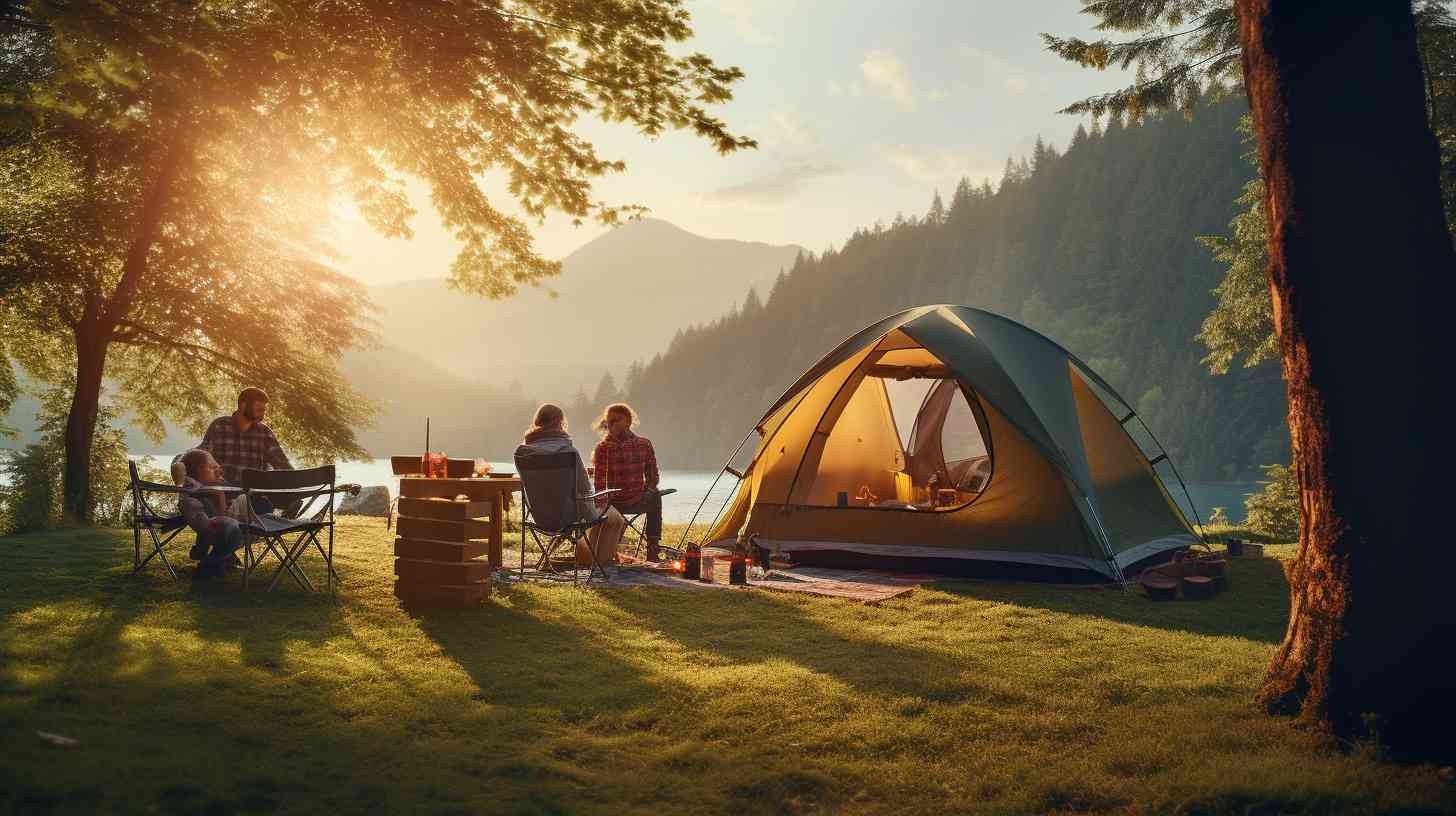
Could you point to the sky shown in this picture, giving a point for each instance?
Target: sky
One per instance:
(862, 109)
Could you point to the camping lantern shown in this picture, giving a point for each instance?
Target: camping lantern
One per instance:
(692, 562)
(738, 570)
(433, 465)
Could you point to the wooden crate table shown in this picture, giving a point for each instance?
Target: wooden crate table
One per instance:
(444, 526)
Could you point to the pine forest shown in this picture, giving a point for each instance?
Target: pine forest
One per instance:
(1093, 246)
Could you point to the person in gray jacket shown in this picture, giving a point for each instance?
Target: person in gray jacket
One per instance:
(547, 435)
(218, 535)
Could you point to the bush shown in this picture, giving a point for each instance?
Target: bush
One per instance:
(33, 499)
(1275, 511)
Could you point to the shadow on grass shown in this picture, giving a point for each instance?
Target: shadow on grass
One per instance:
(125, 664)
(83, 564)
(756, 626)
(519, 658)
(1255, 606)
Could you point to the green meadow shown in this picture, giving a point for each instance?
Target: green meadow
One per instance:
(965, 697)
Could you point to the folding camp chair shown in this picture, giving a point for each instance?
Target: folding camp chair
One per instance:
(287, 537)
(160, 527)
(549, 510)
(638, 541)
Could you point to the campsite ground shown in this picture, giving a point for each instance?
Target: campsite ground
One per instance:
(962, 696)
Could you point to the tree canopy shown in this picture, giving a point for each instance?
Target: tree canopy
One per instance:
(169, 170)
(1186, 49)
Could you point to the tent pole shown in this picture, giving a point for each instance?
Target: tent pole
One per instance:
(727, 468)
(726, 465)
(1106, 543)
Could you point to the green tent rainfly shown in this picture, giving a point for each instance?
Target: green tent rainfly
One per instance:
(950, 437)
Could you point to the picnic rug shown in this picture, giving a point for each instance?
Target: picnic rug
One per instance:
(865, 586)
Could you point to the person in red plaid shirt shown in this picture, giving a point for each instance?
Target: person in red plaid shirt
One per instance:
(241, 441)
(625, 461)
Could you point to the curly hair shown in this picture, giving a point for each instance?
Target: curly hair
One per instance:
(616, 408)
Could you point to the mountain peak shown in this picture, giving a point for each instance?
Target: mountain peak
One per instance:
(659, 237)
(657, 274)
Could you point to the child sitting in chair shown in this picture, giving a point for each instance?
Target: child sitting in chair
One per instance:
(206, 512)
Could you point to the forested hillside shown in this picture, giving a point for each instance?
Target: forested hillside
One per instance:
(1093, 246)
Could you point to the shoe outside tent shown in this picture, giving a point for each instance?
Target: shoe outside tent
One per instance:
(949, 437)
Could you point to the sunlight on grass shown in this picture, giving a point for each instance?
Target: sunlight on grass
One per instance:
(966, 696)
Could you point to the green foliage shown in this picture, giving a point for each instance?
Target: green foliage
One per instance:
(32, 499)
(1242, 322)
(1184, 50)
(270, 104)
(1275, 511)
(32, 495)
(168, 173)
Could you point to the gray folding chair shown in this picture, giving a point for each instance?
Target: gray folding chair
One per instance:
(287, 537)
(633, 533)
(161, 528)
(549, 512)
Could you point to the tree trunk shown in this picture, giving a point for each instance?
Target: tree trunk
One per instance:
(1360, 270)
(93, 332)
(91, 345)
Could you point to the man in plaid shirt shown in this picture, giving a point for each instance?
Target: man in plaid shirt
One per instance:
(625, 461)
(241, 441)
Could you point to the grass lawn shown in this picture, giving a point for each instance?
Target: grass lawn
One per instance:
(961, 697)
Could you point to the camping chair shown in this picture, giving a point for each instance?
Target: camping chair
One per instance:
(549, 510)
(161, 528)
(638, 546)
(287, 537)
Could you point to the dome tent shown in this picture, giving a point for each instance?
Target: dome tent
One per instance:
(954, 438)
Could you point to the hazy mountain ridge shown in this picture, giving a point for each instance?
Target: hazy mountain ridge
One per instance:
(622, 297)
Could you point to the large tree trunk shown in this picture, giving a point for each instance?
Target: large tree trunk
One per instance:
(1360, 270)
(91, 345)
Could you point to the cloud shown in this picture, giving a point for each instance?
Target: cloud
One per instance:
(887, 77)
(775, 187)
(790, 130)
(937, 166)
(756, 21)
(997, 71)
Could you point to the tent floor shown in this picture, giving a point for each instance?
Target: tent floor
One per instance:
(970, 567)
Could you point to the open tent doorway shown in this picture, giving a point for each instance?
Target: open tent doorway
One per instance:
(909, 437)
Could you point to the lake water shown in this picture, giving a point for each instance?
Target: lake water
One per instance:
(693, 485)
